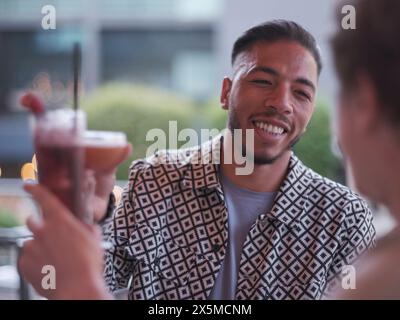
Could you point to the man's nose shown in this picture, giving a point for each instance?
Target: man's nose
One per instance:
(280, 100)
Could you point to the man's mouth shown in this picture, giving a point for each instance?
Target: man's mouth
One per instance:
(270, 128)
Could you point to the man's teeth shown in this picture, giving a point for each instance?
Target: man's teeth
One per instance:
(269, 128)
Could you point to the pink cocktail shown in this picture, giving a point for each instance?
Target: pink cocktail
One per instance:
(104, 149)
(60, 156)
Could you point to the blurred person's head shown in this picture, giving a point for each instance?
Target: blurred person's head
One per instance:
(273, 87)
(368, 66)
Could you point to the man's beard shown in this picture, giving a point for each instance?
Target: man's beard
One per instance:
(233, 123)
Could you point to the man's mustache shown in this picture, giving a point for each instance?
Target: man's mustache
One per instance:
(272, 113)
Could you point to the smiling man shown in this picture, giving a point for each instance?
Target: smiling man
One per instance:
(190, 229)
(199, 231)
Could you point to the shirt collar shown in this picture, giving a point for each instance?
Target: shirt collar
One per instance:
(290, 200)
(203, 165)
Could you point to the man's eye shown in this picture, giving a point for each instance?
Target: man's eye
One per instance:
(262, 81)
(303, 94)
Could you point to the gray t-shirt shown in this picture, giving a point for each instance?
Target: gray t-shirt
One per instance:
(244, 206)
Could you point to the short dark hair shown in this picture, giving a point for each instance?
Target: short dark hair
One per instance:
(373, 48)
(277, 30)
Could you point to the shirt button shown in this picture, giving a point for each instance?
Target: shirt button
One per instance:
(215, 247)
(156, 261)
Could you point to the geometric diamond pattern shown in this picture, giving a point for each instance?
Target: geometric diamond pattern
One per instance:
(170, 232)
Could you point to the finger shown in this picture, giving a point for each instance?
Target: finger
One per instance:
(89, 185)
(124, 156)
(51, 206)
(30, 251)
(94, 232)
(31, 248)
(31, 272)
(89, 173)
(127, 152)
(97, 233)
(104, 184)
(34, 224)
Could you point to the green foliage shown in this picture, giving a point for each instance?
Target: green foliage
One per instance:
(314, 148)
(8, 219)
(214, 116)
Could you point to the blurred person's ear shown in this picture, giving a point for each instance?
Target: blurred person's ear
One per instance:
(366, 106)
(225, 92)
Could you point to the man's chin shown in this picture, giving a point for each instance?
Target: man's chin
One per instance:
(261, 159)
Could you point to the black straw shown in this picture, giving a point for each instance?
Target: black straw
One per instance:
(77, 69)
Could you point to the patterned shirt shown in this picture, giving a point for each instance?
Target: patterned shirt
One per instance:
(170, 232)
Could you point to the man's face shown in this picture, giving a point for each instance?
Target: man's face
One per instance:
(273, 92)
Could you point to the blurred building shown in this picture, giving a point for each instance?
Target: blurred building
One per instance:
(163, 43)
(180, 45)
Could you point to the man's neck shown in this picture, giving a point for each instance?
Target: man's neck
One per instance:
(385, 165)
(264, 178)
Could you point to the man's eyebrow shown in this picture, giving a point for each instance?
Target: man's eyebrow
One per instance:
(306, 82)
(266, 70)
(274, 72)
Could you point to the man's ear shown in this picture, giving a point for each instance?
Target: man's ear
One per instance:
(367, 104)
(225, 91)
